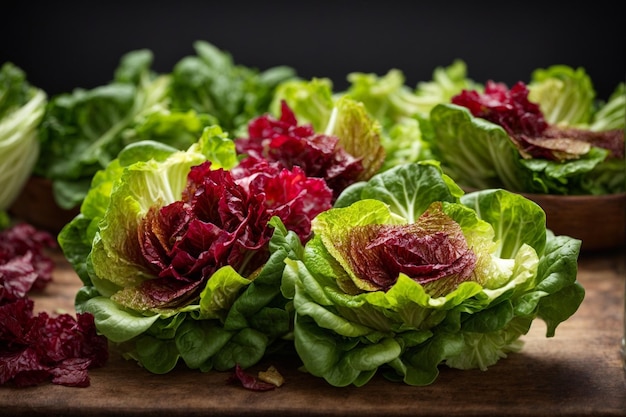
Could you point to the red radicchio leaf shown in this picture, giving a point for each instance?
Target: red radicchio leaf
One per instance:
(241, 215)
(527, 128)
(41, 347)
(17, 277)
(71, 372)
(431, 251)
(510, 109)
(22, 239)
(34, 349)
(156, 230)
(289, 194)
(223, 219)
(217, 223)
(14, 317)
(290, 144)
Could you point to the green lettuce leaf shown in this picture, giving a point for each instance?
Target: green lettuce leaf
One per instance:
(610, 115)
(446, 83)
(358, 133)
(311, 100)
(386, 97)
(565, 95)
(235, 321)
(406, 194)
(474, 152)
(84, 130)
(210, 82)
(403, 112)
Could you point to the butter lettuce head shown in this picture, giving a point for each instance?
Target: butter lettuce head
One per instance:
(479, 154)
(166, 280)
(577, 139)
(406, 274)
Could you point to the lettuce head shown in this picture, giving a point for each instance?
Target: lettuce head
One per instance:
(181, 252)
(406, 273)
(551, 136)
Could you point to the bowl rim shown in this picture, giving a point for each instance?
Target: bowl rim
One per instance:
(572, 197)
(576, 197)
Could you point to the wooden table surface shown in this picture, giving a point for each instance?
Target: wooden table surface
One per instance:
(578, 372)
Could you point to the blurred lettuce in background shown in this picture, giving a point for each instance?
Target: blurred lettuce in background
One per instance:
(22, 108)
(549, 136)
(84, 130)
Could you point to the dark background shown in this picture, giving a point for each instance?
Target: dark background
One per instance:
(66, 44)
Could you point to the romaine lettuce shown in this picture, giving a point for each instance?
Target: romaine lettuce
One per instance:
(610, 115)
(390, 100)
(565, 95)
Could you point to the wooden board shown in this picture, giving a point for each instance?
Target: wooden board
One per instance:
(578, 372)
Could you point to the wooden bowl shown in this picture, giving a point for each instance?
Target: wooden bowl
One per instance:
(36, 205)
(599, 221)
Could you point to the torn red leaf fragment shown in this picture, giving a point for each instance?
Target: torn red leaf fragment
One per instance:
(249, 381)
(39, 348)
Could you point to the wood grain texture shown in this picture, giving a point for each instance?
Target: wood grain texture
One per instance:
(578, 372)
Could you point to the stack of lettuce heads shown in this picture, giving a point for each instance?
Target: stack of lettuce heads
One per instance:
(182, 252)
(404, 274)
